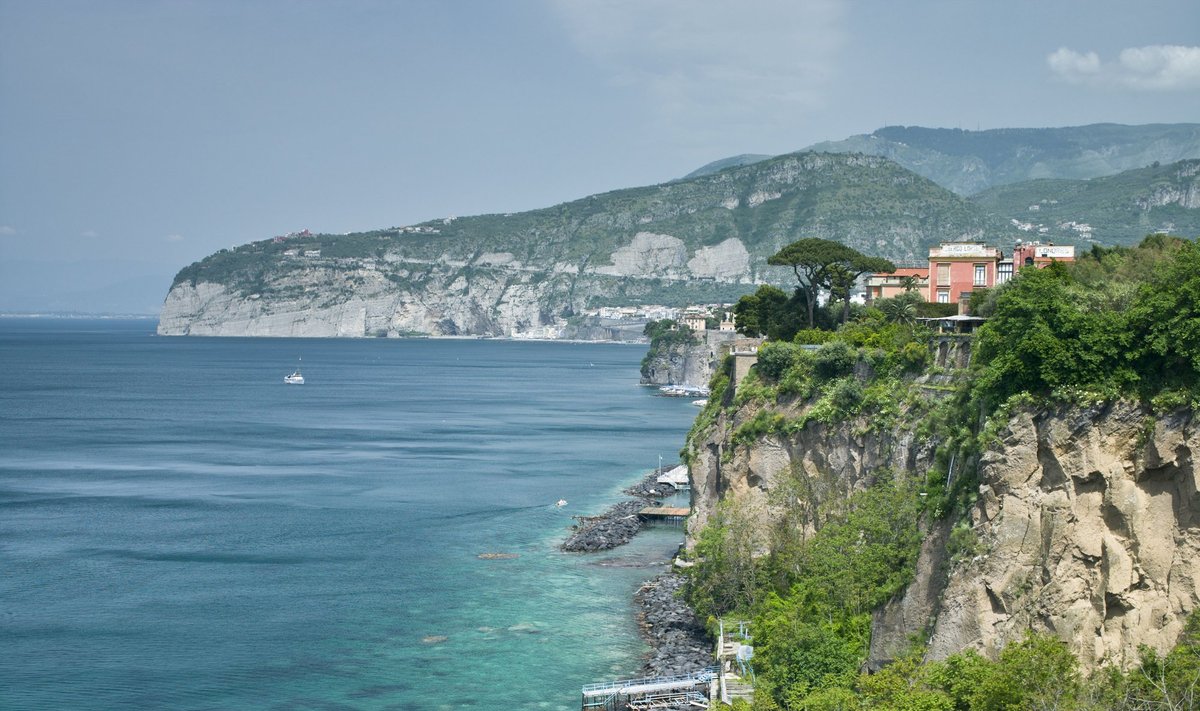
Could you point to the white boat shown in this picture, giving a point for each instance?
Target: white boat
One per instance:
(295, 378)
(683, 391)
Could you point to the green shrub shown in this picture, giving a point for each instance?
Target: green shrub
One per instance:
(775, 357)
(834, 360)
(797, 380)
(812, 336)
(913, 357)
(762, 424)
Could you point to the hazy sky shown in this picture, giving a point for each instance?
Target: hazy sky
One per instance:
(139, 136)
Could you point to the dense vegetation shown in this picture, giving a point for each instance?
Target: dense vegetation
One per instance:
(1120, 323)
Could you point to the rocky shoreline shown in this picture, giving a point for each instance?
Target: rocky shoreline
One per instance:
(679, 643)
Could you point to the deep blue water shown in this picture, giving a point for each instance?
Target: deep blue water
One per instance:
(181, 530)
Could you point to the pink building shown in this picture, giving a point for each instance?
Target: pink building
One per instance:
(1036, 254)
(956, 268)
(886, 286)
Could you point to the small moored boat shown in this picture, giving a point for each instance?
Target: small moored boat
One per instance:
(296, 378)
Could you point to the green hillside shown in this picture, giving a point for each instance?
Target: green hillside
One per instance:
(1118, 209)
(867, 202)
(968, 162)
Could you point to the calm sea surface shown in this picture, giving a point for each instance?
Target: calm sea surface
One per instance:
(181, 530)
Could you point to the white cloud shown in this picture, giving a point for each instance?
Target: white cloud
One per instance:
(1157, 67)
(710, 65)
(7, 230)
(89, 234)
(174, 238)
(1070, 64)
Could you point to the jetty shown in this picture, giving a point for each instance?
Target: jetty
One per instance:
(731, 679)
(658, 692)
(672, 515)
(676, 478)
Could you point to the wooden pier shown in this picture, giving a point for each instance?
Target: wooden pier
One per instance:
(664, 514)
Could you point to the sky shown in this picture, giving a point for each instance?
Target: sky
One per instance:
(138, 136)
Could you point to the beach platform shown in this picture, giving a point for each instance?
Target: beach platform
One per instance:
(664, 514)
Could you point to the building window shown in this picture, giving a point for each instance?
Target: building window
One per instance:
(1004, 272)
(980, 275)
(943, 296)
(943, 274)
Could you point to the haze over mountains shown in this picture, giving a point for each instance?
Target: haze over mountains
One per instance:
(701, 238)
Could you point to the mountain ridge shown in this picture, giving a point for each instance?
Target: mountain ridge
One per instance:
(968, 162)
(704, 238)
(699, 239)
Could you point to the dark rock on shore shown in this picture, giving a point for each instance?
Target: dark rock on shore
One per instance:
(679, 641)
(616, 526)
(649, 488)
(620, 523)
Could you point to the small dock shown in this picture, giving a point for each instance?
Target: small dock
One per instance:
(655, 692)
(672, 515)
(677, 478)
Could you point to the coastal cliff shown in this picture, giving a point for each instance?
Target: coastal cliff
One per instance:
(1085, 524)
(1025, 509)
(686, 363)
(700, 240)
(1088, 522)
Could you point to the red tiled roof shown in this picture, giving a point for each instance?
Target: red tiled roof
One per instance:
(911, 271)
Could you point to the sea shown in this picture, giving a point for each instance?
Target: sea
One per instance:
(179, 529)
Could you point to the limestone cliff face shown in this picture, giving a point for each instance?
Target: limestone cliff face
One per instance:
(492, 295)
(687, 365)
(325, 300)
(1185, 194)
(836, 460)
(1091, 522)
(1089, 519)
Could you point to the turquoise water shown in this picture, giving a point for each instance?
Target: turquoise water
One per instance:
(179, 529)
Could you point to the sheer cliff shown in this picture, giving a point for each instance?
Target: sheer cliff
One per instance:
(1083, 521)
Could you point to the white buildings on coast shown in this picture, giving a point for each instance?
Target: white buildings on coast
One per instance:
(625, 323)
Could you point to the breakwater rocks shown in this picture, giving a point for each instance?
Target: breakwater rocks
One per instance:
(678, 639)
(616, 526)
(620, 523)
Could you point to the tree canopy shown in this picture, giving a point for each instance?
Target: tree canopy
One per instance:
(824, 264)
(1119, 321)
